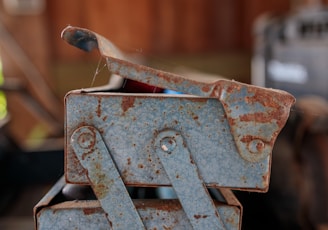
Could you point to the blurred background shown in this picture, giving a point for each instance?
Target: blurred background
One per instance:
(231, 38)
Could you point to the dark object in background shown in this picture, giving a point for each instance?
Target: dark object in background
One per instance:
(21, 170)
(297, 198)
(291, 52)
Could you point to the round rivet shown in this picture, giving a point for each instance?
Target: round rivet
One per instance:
(168, 144)
(256, 146)
(86, 140)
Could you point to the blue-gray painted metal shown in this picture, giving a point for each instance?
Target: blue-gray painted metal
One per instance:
(128, 124)
(265, 109)
(221, 135)
(105, 179)
(186, 181)
(86, 215)
(261, 112)
(155, 214)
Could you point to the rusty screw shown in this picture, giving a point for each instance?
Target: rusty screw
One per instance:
(256, 146)
(87, 140)
(168, 144)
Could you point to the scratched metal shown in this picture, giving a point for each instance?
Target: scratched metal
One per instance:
(155, 214)
(128, 124)
(105, 179)
(183, 174)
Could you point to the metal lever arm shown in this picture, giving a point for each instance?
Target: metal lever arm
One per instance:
(186, 181)
(105, 179)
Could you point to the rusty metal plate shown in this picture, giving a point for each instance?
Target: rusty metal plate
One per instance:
(129, 123)
(155, 214)
(230, 133)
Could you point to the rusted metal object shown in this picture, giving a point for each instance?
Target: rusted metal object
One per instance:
(218, 134)
(105, 179)
(262, 112)
(180, 167)
(155, 214)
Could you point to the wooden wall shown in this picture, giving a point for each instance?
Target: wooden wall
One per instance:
(162, 27)
(35, 111)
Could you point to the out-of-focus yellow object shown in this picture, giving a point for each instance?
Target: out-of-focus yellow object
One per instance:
(3, 100)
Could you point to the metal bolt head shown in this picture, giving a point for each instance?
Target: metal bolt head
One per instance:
(256, 146)
(87, 140)
(168, 144)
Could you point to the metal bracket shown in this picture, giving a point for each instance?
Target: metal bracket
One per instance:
(186, 181)
(105, 179)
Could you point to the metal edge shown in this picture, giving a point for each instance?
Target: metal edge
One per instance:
(45, 201)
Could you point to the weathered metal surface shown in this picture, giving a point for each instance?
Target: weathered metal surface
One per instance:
(183, 174)
(155, 214)
(44, 202)
(105, 179)
(220, 135)
(263, 109)
(128, 132)
(250, 108)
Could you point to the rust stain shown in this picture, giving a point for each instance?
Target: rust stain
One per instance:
(232, 87)
(231, 221)
(200, 216)
(86, 154)
(169, 205)
(86, 138)
(127, 102)
(125, 173)
(277, 101)
(195, 117)
(191, 160)
(99, 107)
(249, 138)
(277, 104)
(266, 177)
(206, 88)
(141, 166)
(83, 139)
(104, 118)
(259, 117)
(101, 190)
(97, 166)
(90, 211)
(102, 187)
(168, 77)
